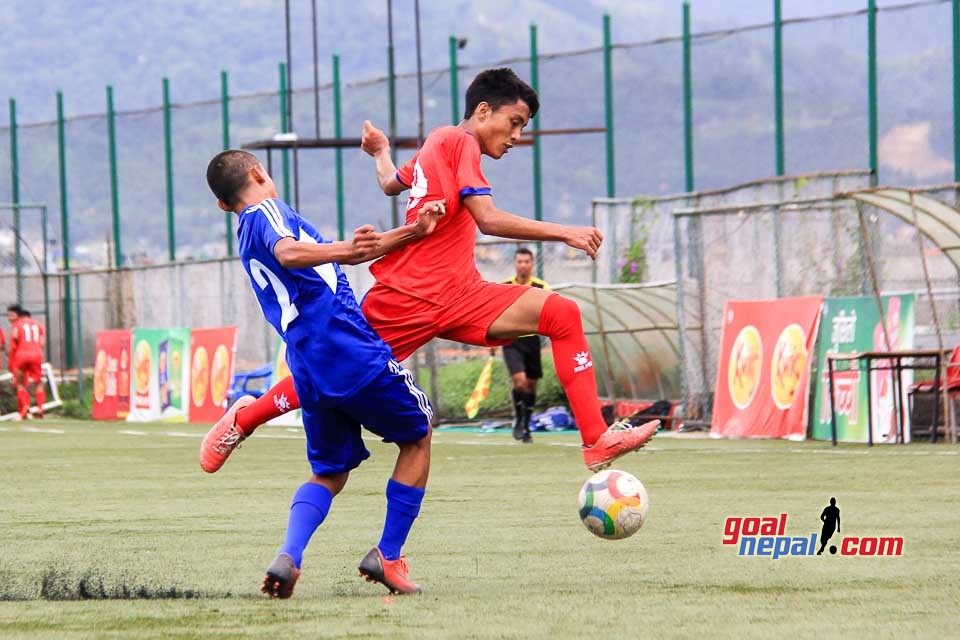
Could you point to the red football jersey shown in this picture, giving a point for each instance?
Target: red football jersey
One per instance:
(26, 336)
(438, 266)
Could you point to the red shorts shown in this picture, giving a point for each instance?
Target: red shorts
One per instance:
(407, 323)
(28, 368)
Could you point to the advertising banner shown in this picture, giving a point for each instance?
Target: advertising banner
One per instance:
(212, 353)
(111, 375)
(853, 325)
(160, 374)
(763, 374)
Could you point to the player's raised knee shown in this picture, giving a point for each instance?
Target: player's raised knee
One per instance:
(559, 316)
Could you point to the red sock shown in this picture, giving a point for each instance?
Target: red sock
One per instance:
(281, 398)
(41, 398)
(23, 401)
(560, 321)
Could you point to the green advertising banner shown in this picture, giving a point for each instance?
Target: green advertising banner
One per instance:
(853, 325)
(160, 374)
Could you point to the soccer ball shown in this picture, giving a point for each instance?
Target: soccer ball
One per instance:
(613, 504)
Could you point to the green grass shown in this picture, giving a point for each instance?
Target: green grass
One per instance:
(499, 549)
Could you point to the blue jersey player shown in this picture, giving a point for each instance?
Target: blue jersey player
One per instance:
(345, 374)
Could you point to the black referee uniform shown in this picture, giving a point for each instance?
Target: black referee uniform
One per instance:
(523, 356)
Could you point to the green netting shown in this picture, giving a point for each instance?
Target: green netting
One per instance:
(88, 188)
(197, 137)
(649, 92)
(142, 191)
(733, 106)
(830, 131)
(916, 113)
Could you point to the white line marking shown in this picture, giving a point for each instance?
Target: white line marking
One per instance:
(486, 440)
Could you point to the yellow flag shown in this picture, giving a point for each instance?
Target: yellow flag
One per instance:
(480, 390)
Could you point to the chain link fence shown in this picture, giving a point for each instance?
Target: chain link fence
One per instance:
(784, 237)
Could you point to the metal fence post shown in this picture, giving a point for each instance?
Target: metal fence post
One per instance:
(687, 101)
(872, 88)
(956, 90)
(338, 153)
(168, 155)
(64, 232)
(15, 196)
(454, 83)
(537, 173)
(284, 128)
(114, 187)
(778, 86)
(392, 106)
(778, 136)
(79, 344)
(608, 106)
(225, 123)
(44, 277)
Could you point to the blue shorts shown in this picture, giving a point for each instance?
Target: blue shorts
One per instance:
(391, 406)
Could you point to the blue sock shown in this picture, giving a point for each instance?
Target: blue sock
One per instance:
(403, 506)
(310, 505)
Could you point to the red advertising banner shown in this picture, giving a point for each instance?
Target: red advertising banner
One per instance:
(212, 354)
(111, 375)
(764, 369)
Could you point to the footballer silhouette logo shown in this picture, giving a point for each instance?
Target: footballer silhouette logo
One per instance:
(583, 362)
(830, 517)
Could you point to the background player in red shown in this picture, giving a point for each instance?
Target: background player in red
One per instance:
(409, 304)
(26, 356)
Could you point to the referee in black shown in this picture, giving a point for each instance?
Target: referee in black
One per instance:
(523, 355)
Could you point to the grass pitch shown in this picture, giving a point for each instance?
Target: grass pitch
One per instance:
(112, 531)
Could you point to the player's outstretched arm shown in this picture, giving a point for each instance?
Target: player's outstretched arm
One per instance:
(494, 222)
(365, 245)
(376, 144)
(295, 254)
(427, 217)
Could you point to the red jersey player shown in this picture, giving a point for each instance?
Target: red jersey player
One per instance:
(413, 300)
(26, 356)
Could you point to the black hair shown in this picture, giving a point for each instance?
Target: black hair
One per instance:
(524, 251)
(17, 309)
(499, 87)
(227, 174)
(23, 312)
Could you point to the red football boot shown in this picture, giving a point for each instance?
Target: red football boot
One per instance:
(390, 573)
(619, 439)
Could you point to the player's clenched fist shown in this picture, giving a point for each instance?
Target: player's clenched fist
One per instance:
(429, 215)
(587, 239)
(374, 140)
(365, 243)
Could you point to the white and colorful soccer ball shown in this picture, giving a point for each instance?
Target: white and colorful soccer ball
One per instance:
(613, 504)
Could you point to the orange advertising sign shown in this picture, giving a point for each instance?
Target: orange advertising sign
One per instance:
(764, 368)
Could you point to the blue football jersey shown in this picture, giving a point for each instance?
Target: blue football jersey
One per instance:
(331, 349)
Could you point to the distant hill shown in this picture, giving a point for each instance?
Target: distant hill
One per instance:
(82, 46)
